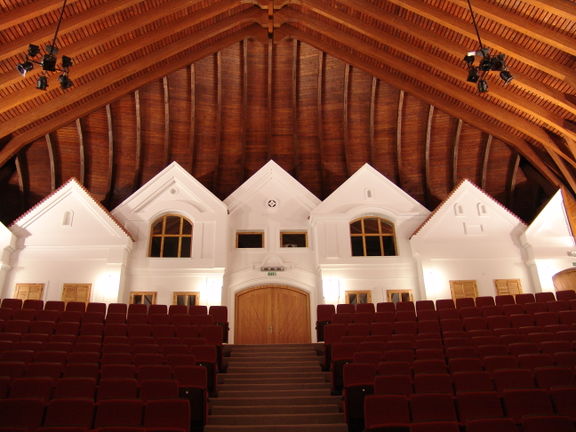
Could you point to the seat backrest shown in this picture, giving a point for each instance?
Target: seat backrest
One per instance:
(325, 312)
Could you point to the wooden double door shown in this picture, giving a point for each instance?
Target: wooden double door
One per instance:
(272, 314)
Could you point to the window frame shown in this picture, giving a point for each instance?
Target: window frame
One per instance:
(304, 233)
(239, 233)
(380, 235)
(163, 236)
(154, 295)
(358, 293)
(21, 287)
(390, 293)
(196, 294)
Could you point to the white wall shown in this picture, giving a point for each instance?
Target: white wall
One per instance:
(69, 238)
(365, 193)
(470, 237)
(549, 243)
(7, 245)
(270, 201)
(175, 191)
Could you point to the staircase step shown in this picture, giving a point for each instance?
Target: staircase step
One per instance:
(225, 379)
(337, 427)
(275, 388)
(275, 401)
(272, 393)
(258, 387)
(273, 368)
(276, 419)
(272, 409)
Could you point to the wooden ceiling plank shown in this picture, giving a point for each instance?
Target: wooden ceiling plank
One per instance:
(505, 95)
(488, 126)
(218, 125)
(520, 80)
(166, 92)
(399, 121)
(566, 173)
(87, 44)
(320, 116)
(21, 183)
(428, 139)
(345, 118)
(30, 11)
(137, 181)
(492, 40)
(455, 151)
(511, 187)
(81, 149)
(21, 140)
(150, 38)
(126, 70)
(269, 104)
(510, 119)
(50, 148)
(111, 173)
(295, 107)
(372, 121)
(485, 160)
(69, 24)
(563, 8)
(192, 128)
(520, 24)
(244, 113)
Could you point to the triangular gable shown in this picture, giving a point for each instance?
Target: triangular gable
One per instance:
(368, 187)
(5, 235)
(468, 212)
(551, 226)
(272, 182)
(70, 215)
(172, 184)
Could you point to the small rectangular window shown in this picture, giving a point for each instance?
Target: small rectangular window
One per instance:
(249, 240)
(293, 239)
(396, 296)
(358, 297)
(143, 297)
(186, 298)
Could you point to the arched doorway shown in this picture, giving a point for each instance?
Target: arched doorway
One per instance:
(272, 314)
(565, 279)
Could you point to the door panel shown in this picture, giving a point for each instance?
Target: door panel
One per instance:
(271, 315)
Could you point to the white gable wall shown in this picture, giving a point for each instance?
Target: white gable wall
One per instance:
(69, 238)
(175, 191)
(549, 243)
(271, 201)
(365, 193)
(470, 237)
(7, 245)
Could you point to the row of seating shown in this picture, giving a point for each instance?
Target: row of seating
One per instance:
(214, 333)
(114, 308)
(30, 414)
(47, 388)
(511, 407)
(443, 309)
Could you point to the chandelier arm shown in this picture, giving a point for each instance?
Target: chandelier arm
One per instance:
(53, 46)
(473, 22)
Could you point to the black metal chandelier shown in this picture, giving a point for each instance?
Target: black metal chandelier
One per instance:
(48, 60)
(487, 62)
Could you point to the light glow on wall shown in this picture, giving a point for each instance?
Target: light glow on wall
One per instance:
(546, 269)
(434, 283)
(211, 291)
(107, 287)
(331, 290)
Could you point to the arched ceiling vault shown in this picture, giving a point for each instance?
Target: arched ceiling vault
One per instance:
(320, 86)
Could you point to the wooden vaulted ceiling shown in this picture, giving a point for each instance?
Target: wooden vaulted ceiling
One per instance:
(319, 86)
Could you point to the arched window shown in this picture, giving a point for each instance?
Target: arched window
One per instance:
(171, 237)
(372, 236)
